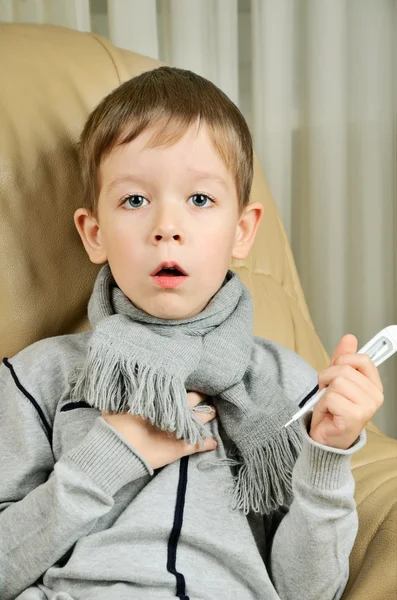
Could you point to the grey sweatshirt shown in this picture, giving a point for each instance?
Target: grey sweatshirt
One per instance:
(84, 516)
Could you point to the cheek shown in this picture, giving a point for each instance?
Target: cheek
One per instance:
(222, 235)
(119, 231)
(217, 246)
(122, 244)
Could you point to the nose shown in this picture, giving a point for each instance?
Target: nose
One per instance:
(167, 226)
(165, 236)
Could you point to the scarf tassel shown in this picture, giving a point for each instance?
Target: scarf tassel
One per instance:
(117, 384)
(264, 478)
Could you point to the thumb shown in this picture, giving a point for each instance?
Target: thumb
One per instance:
(346, 345)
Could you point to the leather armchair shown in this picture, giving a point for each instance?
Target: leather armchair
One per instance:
(51, 78)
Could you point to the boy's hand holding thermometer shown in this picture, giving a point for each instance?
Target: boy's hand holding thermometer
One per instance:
(350, 390)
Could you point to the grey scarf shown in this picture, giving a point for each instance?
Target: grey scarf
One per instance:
(145, 365)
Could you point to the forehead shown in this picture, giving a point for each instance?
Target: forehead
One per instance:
(191, 152)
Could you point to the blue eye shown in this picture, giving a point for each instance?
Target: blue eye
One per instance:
(202, 198)
(135, 200)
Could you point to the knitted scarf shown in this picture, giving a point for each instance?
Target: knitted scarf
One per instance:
(145, 365)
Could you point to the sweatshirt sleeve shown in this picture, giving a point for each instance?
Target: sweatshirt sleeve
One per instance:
(45, 507)
(310, 550)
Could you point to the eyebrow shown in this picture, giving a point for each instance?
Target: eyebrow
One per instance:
(202, 175)
(199, 176)
(122, 179)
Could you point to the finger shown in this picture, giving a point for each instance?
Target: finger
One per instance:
(209, 444)
(346, 345)
(364, 365)
(354, 393)
(342, 413)
(345, 413)
(194, 398)
(206, 415)
(334, 377)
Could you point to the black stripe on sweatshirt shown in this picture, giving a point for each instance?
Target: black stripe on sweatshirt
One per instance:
(36, 405)
(309, 395)
(176, 529)
(74, 405)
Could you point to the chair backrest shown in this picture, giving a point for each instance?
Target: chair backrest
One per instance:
(51, 78)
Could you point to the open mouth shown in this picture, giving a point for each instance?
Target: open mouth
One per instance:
(169, 273)
(169, 277)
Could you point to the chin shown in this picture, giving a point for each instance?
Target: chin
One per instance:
(176, 314)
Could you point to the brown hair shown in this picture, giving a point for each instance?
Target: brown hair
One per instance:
(172, 99)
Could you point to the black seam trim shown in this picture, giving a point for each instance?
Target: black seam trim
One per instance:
(176, 530)
(309, 395)
(73, 405)
(37, 406)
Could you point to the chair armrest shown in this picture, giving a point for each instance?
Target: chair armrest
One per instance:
(373, 561)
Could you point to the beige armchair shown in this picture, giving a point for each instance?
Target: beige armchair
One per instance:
(51, 78)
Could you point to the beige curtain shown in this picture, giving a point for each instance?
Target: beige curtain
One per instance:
(317, 83)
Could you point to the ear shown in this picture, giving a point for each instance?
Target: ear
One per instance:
(246, 229)
(90, 234)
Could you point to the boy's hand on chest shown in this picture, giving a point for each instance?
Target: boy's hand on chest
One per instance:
(354, 394)
(157, 446)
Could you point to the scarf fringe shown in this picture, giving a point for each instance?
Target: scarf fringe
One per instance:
(117, 384)
(264, 478)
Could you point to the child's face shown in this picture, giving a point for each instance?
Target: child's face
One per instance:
(154, 206)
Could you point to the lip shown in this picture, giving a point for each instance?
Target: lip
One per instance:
(169, 281)
(170, 264)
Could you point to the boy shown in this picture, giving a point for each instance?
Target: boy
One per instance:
(104, 494)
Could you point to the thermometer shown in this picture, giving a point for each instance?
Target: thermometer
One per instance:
(379, 349)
